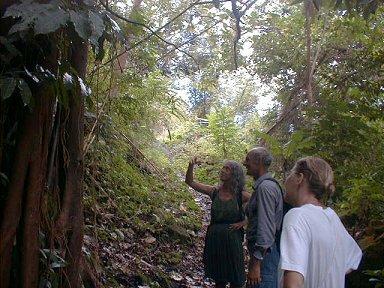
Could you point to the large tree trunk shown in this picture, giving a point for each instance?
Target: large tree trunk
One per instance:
(35, 184)
(35, 177)
(21, 208)
(13, 203)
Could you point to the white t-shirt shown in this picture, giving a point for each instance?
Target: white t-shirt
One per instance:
(315, 244)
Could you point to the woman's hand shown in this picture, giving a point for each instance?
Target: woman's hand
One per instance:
(200, 187)
(238, 225)
(194, 161)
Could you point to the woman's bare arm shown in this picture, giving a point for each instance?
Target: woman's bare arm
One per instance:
(200, 187)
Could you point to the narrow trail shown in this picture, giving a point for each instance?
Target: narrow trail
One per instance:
(129, 257)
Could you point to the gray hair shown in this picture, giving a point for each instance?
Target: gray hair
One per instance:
(263, 156)
(238, 176)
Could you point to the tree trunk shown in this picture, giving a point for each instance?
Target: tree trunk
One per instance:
(13, 203)
(121, 63)
(35, 184)
(308, 10)
(32, 180)
(75, 170)
(20, 221)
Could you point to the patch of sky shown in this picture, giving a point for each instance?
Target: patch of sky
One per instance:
(181, 87)
(232, 86)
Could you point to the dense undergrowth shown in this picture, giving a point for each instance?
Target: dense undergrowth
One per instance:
(130, 200)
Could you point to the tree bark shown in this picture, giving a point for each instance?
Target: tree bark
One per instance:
(308, 7)
(121, 63)
(13, 206)
(35, 186)
(20, 222)
(75, 169)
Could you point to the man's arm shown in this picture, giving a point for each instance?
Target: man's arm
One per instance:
(254, 272)
(265, 234)
(266, 219)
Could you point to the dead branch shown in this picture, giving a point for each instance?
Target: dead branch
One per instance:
(146, 160)
(190, 40)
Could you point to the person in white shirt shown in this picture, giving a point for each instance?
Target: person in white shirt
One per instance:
(316, 249)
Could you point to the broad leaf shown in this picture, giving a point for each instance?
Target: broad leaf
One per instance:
(97, 27)
(49, 19)
(116, 28)
(297, 141)
(31, 75)
(81, 23)
(26, 11)
(26, 94)
(7, 86)
(276, 146)
(3, 179)
(13, 51)
(19, 27)
(43, 18)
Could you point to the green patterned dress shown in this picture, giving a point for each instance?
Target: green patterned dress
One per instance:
(223, 252)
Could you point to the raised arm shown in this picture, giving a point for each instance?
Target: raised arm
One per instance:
(200, 187)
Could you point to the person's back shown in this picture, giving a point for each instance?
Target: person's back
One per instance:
(324, 251)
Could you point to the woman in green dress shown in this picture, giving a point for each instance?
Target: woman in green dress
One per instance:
(223, 252)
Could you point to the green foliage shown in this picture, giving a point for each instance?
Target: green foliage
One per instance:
(42, 18)
(377, 277)
(295, 147)
(364, 7)
(50, 17)
(25, 91)
(364, 197)
(208, 172)
(149, 104)
(51, 261)
(46, 18)
(345, 136)
(57, 19)
(344, 125)
(7, 85)
(225, 133)
(10, 50)
(200, 101)
(279, 48)
(141, 196)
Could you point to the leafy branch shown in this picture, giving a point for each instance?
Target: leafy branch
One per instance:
(153, 32)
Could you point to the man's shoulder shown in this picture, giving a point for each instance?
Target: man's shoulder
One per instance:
(269, 188)
(270, 183)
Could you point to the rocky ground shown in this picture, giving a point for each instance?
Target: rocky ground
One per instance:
(144, 261)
